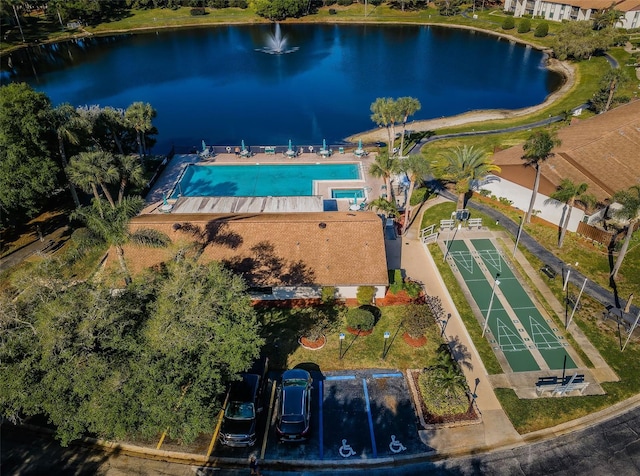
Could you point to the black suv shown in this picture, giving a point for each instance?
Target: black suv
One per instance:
(239, 422)
(295, 406)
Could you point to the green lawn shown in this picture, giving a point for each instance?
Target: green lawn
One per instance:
(282, 328)
(532, 415)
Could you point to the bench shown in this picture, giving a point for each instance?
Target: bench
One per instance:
(546, 384)
(475, 222)
(446, 224)
(570, 387)
(546, 269)
(270, 150)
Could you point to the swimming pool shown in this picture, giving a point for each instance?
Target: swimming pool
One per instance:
(347, 193)
(259, 180)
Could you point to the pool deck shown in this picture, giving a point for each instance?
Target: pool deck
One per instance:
(164, 185)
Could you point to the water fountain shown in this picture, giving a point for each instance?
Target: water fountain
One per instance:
(277, 43)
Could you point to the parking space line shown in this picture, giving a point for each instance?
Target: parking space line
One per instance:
(268, 424)
(320, 426)
(366, 401)
(397, 374)
(340, 377)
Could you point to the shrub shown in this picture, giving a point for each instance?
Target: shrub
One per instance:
(332, 11)
(417, 319)
(542, 30)
(321, 321)
(365, 294)
(345, 3)
(328, 294)
(509, 23)
(197, 11)
(239, 4)
(361, 319)
(524, 26)
(484, 192)
(418, 196)
(505, 201)
(413, 288)
(436, 400)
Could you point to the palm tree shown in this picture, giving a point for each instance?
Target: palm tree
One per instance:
(139, 116)
(66, 122)
(110, 223)
(464, 166)
(113, 120)
(537, 149)
(407, 106)
(384, 167)
(416, 167)
(388, 207)
(614, 78)
(385, 113)
(90, 169)
(569, 193)
(130, 171)
(630, 201)
(607, 18)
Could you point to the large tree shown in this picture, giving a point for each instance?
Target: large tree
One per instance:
(604, 97)
(28, 174)
(139, 116)
(131, 364)
(416, 167)
(67, 125)
(569, 193)
(578, 40)
(88, 170)
(407, 106)
(537, 149)
(630, 201)
(385, 167)
(464, 166)
(385, 113)
(110, 223)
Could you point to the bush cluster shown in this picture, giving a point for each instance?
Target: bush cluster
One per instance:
(524, 26)
(542, 30)
(509, 23)
(418, 318)
(361, 319)
(365, 294)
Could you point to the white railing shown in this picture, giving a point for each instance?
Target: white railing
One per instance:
(428, 235)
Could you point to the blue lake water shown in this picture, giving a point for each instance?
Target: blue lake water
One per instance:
(211, 84)
(259, 180)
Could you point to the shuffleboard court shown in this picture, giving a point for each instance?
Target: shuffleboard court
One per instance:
(542, 334)
(504, 334)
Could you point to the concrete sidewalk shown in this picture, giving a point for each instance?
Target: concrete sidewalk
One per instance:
(495, 430)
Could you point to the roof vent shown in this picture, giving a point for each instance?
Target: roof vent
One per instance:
(322, 225)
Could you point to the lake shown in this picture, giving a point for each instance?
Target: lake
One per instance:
(214, 84)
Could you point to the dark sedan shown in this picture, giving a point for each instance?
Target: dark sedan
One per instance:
(295, 406)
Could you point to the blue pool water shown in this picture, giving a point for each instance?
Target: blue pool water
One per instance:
(259, 180)
(347, 193)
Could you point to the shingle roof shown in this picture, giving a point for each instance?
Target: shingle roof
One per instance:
(603, 151)
(284, 249)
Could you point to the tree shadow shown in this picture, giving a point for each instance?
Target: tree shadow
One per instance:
(460, 352)
(263, 267)
(611, 258)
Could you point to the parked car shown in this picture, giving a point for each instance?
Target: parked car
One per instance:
(294, 413)
(239, 421)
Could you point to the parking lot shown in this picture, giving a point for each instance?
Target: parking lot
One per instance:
(360, 414)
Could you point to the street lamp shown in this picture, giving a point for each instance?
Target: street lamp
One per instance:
(443, 324)
(449, 244)
(575, 306)
(384, 348)
(341, 339)
(515, 248)
(493, 293)
(566, 279)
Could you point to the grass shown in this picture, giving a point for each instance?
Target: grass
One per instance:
(532, 415)
(282, 328)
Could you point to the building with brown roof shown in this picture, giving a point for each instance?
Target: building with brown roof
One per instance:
(575, 10)
(602, 151)
(280, 255)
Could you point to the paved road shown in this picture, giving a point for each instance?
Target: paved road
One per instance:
(609, 448)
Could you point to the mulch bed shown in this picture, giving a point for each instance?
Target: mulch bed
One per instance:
(431, 419)
(313, 344)
(400, 297)
(413, 342)
(356, 332)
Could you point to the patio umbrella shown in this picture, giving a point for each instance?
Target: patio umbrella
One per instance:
(243, 147)
(324, 144)
(290, 148)
(360, 144)
(204, 145)
(164, 199)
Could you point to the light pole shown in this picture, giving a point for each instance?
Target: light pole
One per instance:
(575, 306)
(631, 331)
(384, 348)
(449, 244)
(341, 339)
(443, 324)
(566, 279)
(515, 248)
(493, 293)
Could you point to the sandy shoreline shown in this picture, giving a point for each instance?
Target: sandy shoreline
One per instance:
(562, 67)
